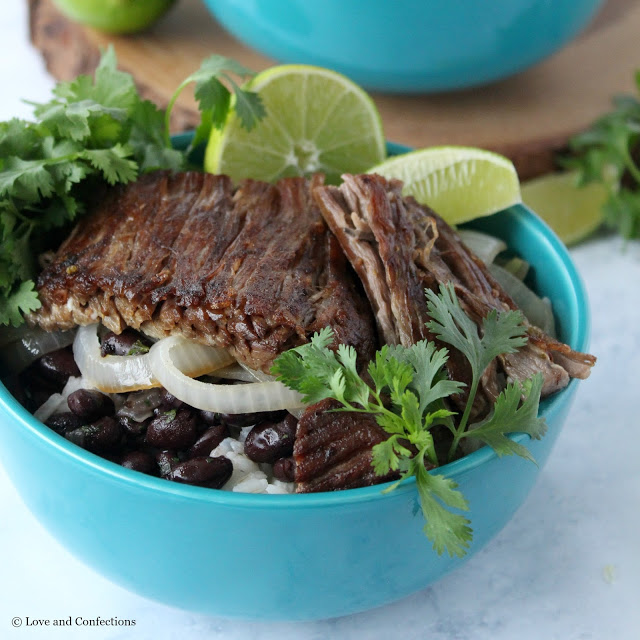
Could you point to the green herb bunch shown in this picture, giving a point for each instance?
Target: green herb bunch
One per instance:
(94, 130)
(407, 394)
(609, 153)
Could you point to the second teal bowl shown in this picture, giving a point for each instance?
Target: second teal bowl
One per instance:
(408, 46)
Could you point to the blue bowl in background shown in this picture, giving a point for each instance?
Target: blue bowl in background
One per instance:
(290, 557)
(408, 46)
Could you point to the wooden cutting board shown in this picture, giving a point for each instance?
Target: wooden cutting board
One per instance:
(527, 117)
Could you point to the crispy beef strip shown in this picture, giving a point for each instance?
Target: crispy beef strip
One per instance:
(399, 247)
(253, 269)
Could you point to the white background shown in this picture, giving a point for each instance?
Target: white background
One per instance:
(567, 566)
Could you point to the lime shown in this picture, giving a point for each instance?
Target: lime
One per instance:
(459, 183)
(114, 16)
(572, 211)
(317, 121)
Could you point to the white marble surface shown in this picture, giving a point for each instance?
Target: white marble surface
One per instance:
(567, 567)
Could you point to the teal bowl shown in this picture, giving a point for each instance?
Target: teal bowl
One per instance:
(284, 557)
(409, 46)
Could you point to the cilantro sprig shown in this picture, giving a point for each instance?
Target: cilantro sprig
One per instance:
(501, 333)
(93, 130)
(406, 389)
(214, 98)
(609, 153)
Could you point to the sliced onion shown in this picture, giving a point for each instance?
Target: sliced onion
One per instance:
(195, 359)
(110, 374)
(517, 267)
(236, 371)
(140, 405)
(260, 376)
(9, 334)
(220, 398)
(116, 374)
(537, 310)
(486, 247)
(31, 344)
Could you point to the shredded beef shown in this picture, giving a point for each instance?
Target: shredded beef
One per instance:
(398, 248)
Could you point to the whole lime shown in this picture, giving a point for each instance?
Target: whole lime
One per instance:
(115, 16)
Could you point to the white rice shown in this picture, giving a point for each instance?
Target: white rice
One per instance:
(248, 476)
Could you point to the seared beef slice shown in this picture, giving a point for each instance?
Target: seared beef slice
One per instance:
(333, 449)
(254, 269)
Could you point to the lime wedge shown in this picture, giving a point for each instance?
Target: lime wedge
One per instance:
(459, 183)
(317, 121)
(573, 212)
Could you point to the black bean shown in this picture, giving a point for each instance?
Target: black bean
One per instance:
(209, 417)
(103, 435)
(139, 461)
(58, 366)
(247, 419)
(127, 343)
(63, 422)
(90, 405)
(203, 471)
(169, 401)
(238, 419)
(285, 469)
(166, 460)
(173, 430)
(36, 388)
(269, 441)
(131, 427)
(209, 440)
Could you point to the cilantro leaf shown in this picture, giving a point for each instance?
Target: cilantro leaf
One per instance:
(147, 139)
(387, 455)
(608, 152)
(429, 381)
(19, 138)
(248, 106)
(447, 530)
(509, 416)
(73, 120)
(621, 211)
(26, 179)
(309, 368)
(113, 163)
(501, 333)
(22, 300)
(110, 87)
(214, 98)
(138, 348)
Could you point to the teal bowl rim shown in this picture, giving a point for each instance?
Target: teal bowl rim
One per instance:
(10, 406)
